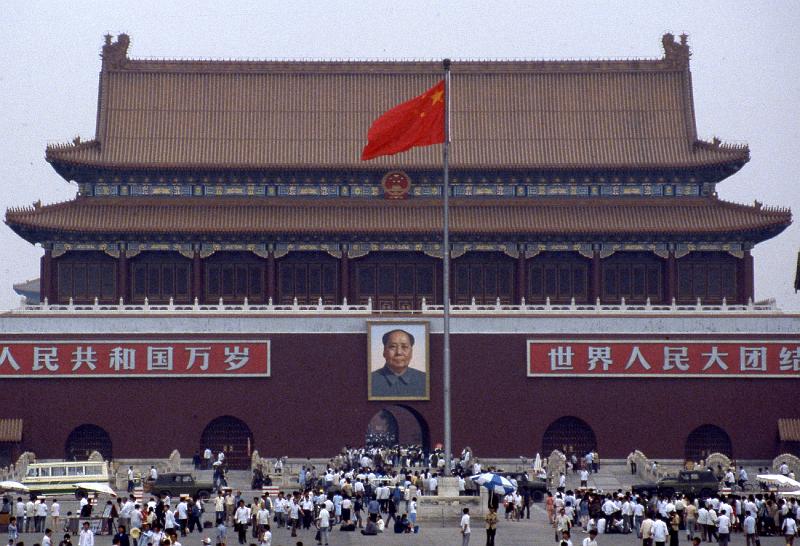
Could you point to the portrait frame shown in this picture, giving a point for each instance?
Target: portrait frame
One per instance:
(420, 360)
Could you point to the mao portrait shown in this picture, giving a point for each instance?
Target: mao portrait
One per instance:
(398, 361)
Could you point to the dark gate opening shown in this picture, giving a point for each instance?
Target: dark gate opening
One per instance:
(85, 439)
(569, 435)
(232, 437)
(705, 440)
(398, 425)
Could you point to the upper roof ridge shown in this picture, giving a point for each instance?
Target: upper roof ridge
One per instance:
(115, 57)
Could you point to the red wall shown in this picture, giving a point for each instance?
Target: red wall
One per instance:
(316, 402)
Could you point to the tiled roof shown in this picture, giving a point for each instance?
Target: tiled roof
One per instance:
(10, 430)
(512, 114)
(298, 216)
(789, 430)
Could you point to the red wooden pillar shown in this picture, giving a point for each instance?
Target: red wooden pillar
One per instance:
(122, 276)
(522, 281)
(746, 285)
(596, 276)
(197, 276)
(344, 276)
(271, 276)
(672, 279)
(46, 277)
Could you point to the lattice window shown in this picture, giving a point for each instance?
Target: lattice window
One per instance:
(231, 436)
(85, 439)
(569, 435)
(707, 439)
(559, 276)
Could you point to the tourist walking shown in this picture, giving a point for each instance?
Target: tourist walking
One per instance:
(466, 532)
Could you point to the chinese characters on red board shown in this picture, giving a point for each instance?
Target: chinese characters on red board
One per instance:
(664, 358)
(134, 358)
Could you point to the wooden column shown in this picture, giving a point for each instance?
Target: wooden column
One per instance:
(596, 278)
(671, 287)
(344, 277)
(271, 276)
(745, 284)
(522, 281)
(122, 277)
(46, 275)
(197, 277)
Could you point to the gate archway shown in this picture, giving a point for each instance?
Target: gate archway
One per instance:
(398, 424)
(707, 439)
(569, 435)
(232, 437)
(85, 439)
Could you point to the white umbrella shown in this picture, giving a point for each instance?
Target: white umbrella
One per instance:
(780, 479)
(96, 487)
(13, 486)
(495, 483)
(537, 463)
(789, 493)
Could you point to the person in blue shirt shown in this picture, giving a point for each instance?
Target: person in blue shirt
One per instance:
(396, 378)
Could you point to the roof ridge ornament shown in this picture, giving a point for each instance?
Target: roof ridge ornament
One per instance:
(676, 53)
(115, 54)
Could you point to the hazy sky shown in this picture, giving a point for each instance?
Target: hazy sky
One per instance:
(744, 66)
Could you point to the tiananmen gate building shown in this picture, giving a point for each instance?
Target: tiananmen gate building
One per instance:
(228, 267)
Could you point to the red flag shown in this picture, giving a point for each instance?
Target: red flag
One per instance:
(418, 122)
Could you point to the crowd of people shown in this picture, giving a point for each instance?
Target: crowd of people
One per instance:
(660, 520)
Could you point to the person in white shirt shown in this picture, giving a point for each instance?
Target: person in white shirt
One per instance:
(749, 528)
(29, 515)
(324, 525)
(584, 477)
(241, 518)
(723, 528)
(711, 526)
(86, 536)
(590, 540)
(55, 514)
(789, 529)
(466, 532)
(40, 516)
(266, 537)
(183, 516)
(565, 540)
(170, 524)
(153, 473)
(660, 532)
(562, 481)
(263, 518)
(46, 540)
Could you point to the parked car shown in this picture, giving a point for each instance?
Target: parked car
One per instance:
(701, 483)
(178, 483)
(535, 487)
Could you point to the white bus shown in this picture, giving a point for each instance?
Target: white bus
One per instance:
(47, 479)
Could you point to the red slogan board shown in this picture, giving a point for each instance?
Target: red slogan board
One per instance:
(87, 358)
(680, 358)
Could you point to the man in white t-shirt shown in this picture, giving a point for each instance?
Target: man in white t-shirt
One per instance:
(749, 528)
(723, 528)
(55, 514)
(466, 532)
(324, 525)
(789, 528)
(591, 539)
(584, 477)
(660, 532)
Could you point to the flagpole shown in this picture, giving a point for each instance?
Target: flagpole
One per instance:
(448, 447)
